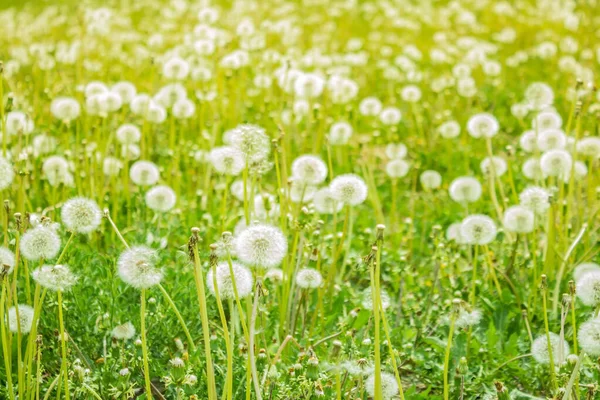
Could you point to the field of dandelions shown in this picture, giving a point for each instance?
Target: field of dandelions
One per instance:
(289, 200)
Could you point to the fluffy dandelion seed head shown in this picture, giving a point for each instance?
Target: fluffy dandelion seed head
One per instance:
(65, 108)
(539, 95)
(560, 349)
(389, 386)
(396, 150)
(124, 331)
(411, 94)
(275, 275)
(547, 119)
(56, 170)
(137, 267)
(176, 68)
(465, 189)
(309, 169)
(18, 122)
(467, 318)
(261, 245)
(126, 90)
(583, 269)
(478, 229)
(589, 337)
(528, 141)
(183, 109)
(111, 166)
(496, 165)
(588, 288)
(358, 367)
(367, 299)
(482, 125)
(252, 141)
(390, 116)
(242, 276)
(7, 173)
(7, 260)
(128, 134)
(397, 168)
(535, 198)
(41, 242)
(161, 198)
(532, 169)
(227, 160)
(370, 106)
(519, 219)
(81, 215)
(309, 278)
(589, 147)
(550, 139)
(453, 233)
(325, 202)
(58, 278)
(301, 192)
(449, 129)
(144, 173)
(557, 163)
(430, 179)
(340, 133)
(24, 322)
(349, 189)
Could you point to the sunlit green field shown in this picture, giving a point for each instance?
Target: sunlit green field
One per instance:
(289, 200)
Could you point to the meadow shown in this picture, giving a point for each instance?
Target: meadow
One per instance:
(294, 200)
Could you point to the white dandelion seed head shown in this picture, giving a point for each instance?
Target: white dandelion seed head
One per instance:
(589, 147)
(589, 337)
(81, 215)
(242, 276)
(309, 278)
(140, 103)
(588, 288)
(227, 160)
(252, 141)
(528, 141)
(389, 385)
(128, 134)
(535, 198)
(411, 94)
(390, 116)
(41, 242)
(430, 179)
(111, 166)
(483, 125)
(161, 198)
(496, 165)
(144, 173)
(349, 189)
(580, 172)
(560, 349)
(325, 202)
(453, 233)
(124, 331)
(7, 173)
(57, 278)
(183, 109)
(366, 300)
(478, 229)
(547, 119)
(56, 170)
(7, 260)
(395, 150)
(340, 133)
(17, 122)
(449, 129)
(550, 139)
(65, 108)
(155, 113)
(519, 219)
(539, 95)
(137, 267)
(465, 189)
(556, 163)
(261, 245)
(275, 275)
(23, 322)
(467, 318)
(43, 144)
(370, 106)
(397, 168)
(126, 90)
(309, 169)
(532, 169)
(583, 269)
(176, 68)
(358, 367)
(301, 192)
(308, 86)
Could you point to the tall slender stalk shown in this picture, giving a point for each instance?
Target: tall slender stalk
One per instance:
(145, 344)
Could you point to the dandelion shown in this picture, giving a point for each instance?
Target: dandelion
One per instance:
(550, 139)
(124, 331)
(275, 275)
(532, 169)
(539, 95)
(367, 299)
(560, 349)
(41, 242)
(589, 337)
(449, 129)
(309, 278)
(546, 120)
(483, 125)
(251, 140)
(128, 134)
(242, 276)
(528, 141)
(161, 198)
(23, 322)
(7, 260)
(395, 151)
(389, 385)
(56, 170)
(588, 288)
(519, 219)
(370, 106)
(535, 198)
(57, 278)
(556, 163)
(65, 108)
(81, 215)
(430, 179)
(136, 267)
(349, 189)
(397, 168)
(589, 147)
(582, 269)
(310, 170)
(390, 116)
(478, 229)
(144, 173)
(325, 202)
(261, 245)
(227, 160)
(467, 318)
(465, 190)
(340, 133)
(499, 167)
(453, 232)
